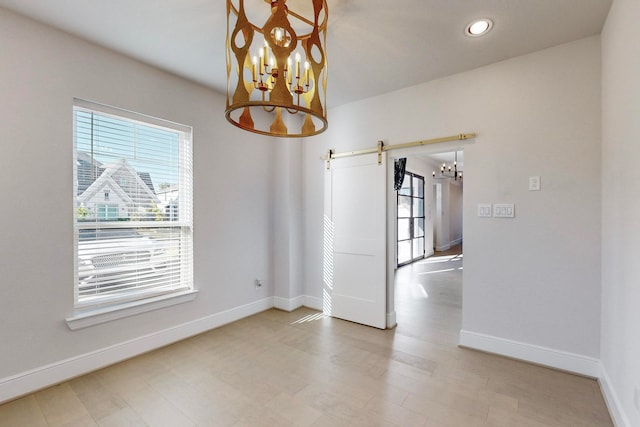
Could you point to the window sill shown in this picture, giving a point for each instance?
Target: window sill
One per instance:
(102, 315)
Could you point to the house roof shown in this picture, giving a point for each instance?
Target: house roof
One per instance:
(146, 178)
(104, 181)
(88, 170)
(93, 176)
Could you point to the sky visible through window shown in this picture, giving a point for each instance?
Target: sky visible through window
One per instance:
(146, 148)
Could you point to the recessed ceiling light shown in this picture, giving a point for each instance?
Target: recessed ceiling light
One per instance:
(479, 27)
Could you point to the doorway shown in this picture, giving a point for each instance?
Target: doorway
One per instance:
(442, 213)
(357, 284)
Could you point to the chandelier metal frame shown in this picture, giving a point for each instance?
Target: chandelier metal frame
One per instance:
(286, 75)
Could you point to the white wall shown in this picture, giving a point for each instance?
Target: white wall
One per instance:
(42, 71)
(532, 282)
(620, 352)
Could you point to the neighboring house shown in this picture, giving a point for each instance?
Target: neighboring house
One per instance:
(88, 169)
(168, 196)
(115, 191)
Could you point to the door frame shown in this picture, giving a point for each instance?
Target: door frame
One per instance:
(392, 226)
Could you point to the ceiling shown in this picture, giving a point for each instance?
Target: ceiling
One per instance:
(373, 46)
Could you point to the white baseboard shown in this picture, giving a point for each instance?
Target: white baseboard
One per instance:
(545, 356)
(448, 245)
(288, 304)
(45, 376)
(443, 248)
(616, 411)
(313, 302)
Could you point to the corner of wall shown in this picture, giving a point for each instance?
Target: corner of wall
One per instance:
(611, 400)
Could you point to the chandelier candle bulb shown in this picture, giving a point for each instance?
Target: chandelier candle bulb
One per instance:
(306, 73)
(255, 71)
(266, 54)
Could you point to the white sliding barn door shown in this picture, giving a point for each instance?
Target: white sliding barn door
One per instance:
(355, 265)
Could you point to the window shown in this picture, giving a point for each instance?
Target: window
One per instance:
(138, 246)
(107, 212)
(411, 218)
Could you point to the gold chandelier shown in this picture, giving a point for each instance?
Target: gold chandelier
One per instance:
(277, 72)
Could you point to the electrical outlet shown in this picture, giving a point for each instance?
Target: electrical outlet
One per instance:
(636, 398)
(258, 284)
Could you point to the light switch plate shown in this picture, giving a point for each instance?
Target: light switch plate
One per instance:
(484, 210)
(534, 183)
(504, 210)
(636, 398)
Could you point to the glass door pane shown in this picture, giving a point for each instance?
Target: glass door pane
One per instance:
(418, 208)
(418, 186)
(404, 229)
(404, 206)
(404, 252)
(418, 227)
(406, 186)
(418, 248)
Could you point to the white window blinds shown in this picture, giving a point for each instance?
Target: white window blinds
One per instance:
(132, 191)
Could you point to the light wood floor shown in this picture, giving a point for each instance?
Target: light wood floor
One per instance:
(302, 369)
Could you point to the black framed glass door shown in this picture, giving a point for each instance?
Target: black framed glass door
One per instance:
(411, 219)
